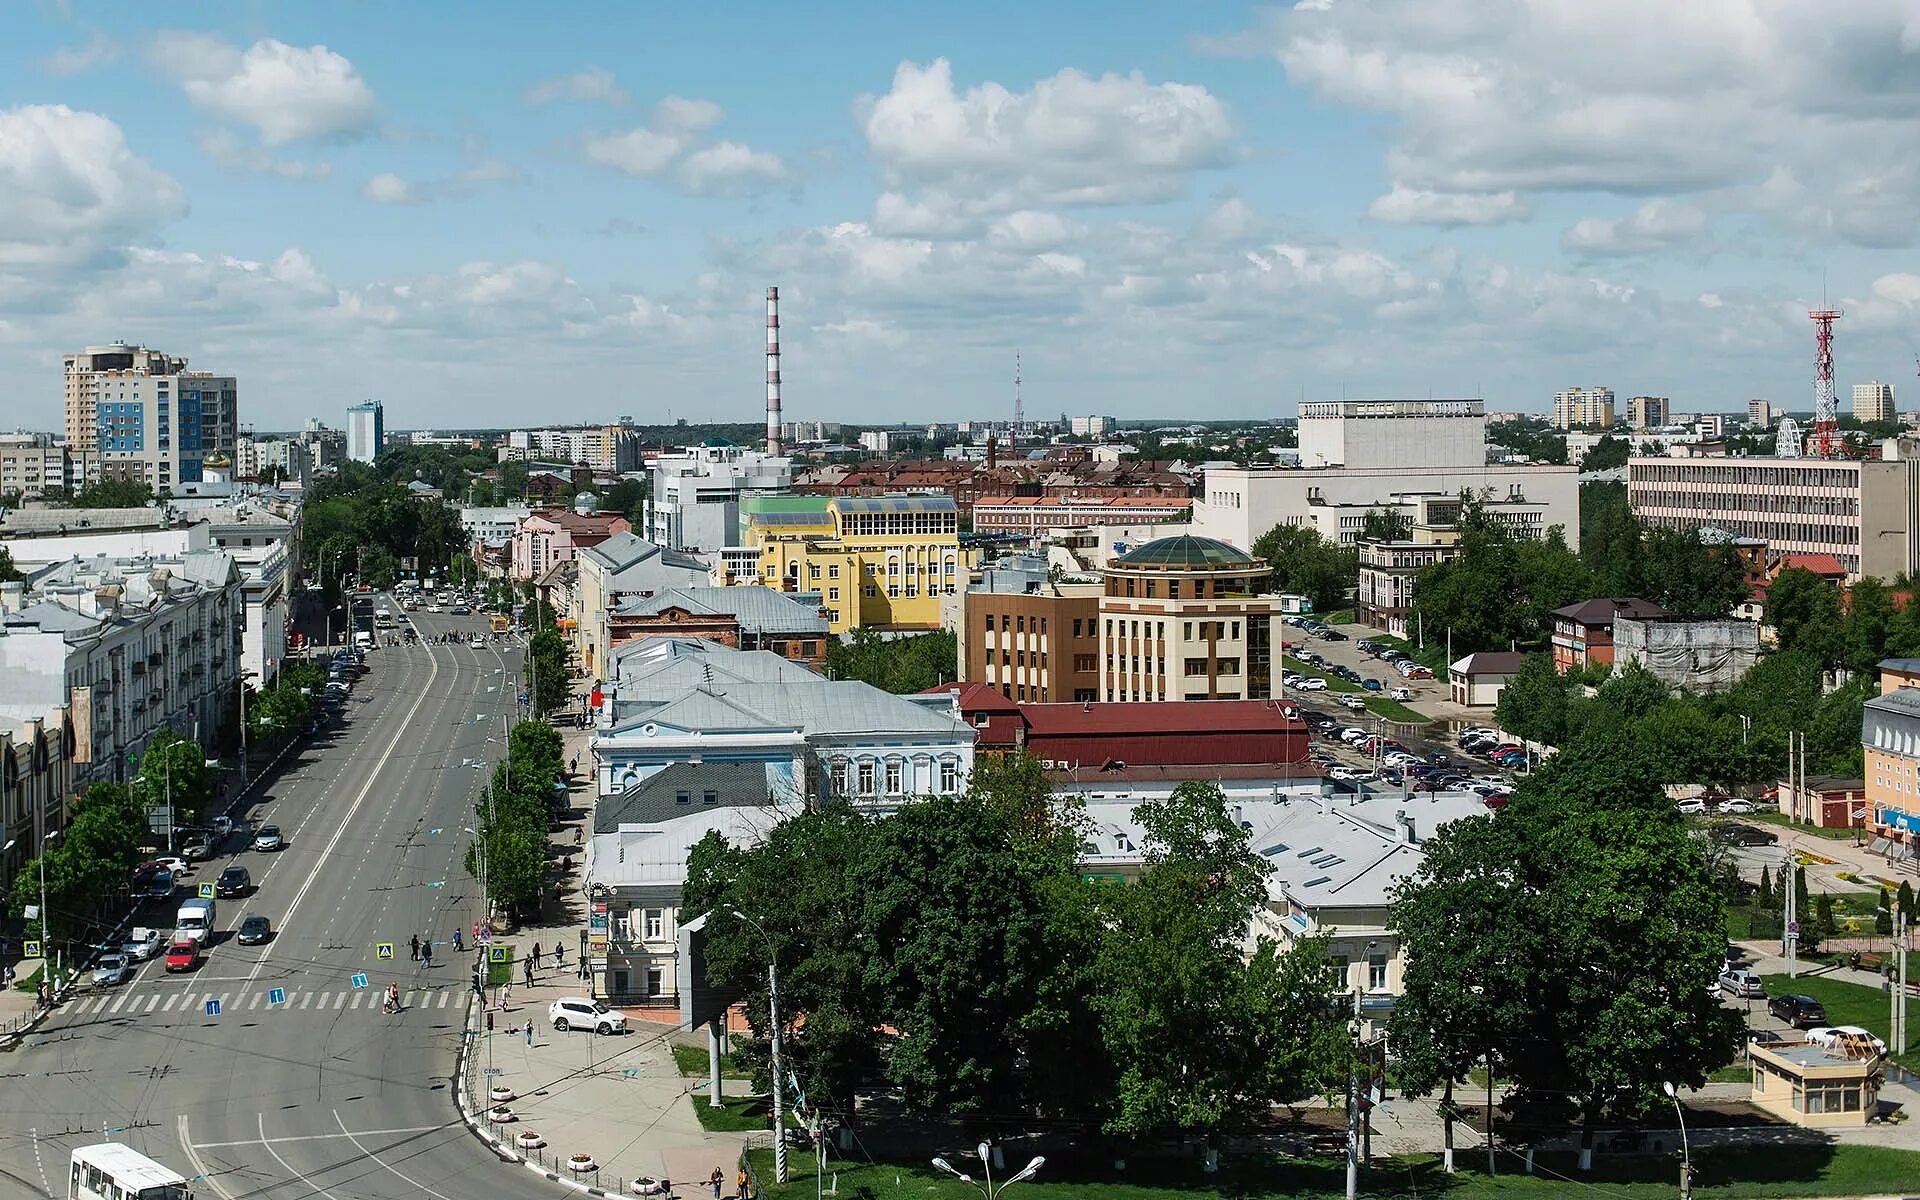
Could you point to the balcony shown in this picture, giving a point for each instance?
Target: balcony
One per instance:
(138, 667)
(156, 657)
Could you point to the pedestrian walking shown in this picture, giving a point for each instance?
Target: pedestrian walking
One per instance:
(413, 945)
(536, 955)
(526, 968)
(426, 951)
(477, 989)
(715, 1180)
(40, 994)
(740, 1185)
(529, 1031)
(559, 953)
(456, 940)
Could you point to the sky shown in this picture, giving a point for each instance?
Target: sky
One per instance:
(492, 214)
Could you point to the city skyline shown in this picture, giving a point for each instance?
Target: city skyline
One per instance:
(1219, 210)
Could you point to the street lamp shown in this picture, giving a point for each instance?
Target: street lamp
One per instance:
(1686, 1153)
(989, 1188)
(773, 1005)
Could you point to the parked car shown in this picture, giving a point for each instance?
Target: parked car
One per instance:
(1737, 834)
(1352, 702)
(578, 1012)
(1348, 774)
(110, 969)
(183, 955)
(143, 943)
(1692, 808)
(1312, 685)
(200, 849)
(234, 881)
(268, 838)
(1738, 805)
(1742, 983)
(1764, 1037)
(1834, 1037)
(254, 930)
(1801, 1012)
(1400, 693)
(1333, 635)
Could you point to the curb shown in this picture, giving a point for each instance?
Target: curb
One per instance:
(500, 1149)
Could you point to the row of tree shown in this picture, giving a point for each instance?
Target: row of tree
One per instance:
(955, 952)
(288, 704)
(900, 665)
(364, 521)
(515, 813)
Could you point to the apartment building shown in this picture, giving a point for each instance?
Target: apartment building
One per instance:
(287, 458)
(1583, 408)
(1037, 643)
(31, 465)
(1864, 513)
(1393, 433)
(1092, 426)
(36, 777)
(366, 430)
(876, 561)
(1184, 618)
(1761, 413)
(1649, 412)
(139, 415)
(608, 449)
(1890, 741)
(1873, 401)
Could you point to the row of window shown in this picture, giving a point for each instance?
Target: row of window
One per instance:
(894, 524)
(1150, 588)
(888, 777)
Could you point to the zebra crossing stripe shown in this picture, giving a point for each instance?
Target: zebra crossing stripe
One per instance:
(253, 1001)
(306, 998)
(120, 1001)
(153, 1001)
(443, 1000)
(171, 1000)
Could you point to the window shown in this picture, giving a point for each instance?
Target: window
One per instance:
(1196, 666)
(709, 797)
(1377, 972)
(833, 593)
(866, 777)
(893, 591)
(833, 571)
(656, 980)
(1338, 966)
(1228, 666)
(654, 923)
(813, 570)
(949, 776)
(1186, 630)
(895, 787)
(1085, 662)
(1076, 626)
(683, 796)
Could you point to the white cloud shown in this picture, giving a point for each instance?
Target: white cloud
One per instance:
(1070, 139)
(285, 93)
(227, 151)
(593, 85)
(637, 151)
(1654, 226)
(729, 166)
(388, 188)
(71, 191)
(679, 114)
(97, 51)
(1802, 110)
(1413, 206)
(1032, 230)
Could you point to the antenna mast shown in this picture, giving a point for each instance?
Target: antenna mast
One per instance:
(1826, 406)
(1019, 411)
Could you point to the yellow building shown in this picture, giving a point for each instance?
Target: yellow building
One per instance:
(877, 562)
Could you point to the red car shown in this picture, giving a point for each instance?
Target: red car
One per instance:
(183, 955)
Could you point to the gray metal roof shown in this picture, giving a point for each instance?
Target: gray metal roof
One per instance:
(657, 798)
(895, 504)
(758, 609)
(18, 521)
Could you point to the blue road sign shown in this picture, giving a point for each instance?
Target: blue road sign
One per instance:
(359, 979)
(213, 1008)
(276, 996)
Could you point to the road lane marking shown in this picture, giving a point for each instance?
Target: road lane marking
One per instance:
(199, 1167)
(306, 998)
(152, 1001)
(171, 1001)
(326, 853)
(322, 1137)
(253, 1001)
(366, 1153)
(289, 1166)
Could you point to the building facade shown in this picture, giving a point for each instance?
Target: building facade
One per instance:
(36, 777)
(1583, 632)
(694, 503)
(1864, 513)
(1583, 408)
(548, 537)
(614, 569)
(1030, 515)
(1393, 433)
(366, 430)
(742, 618)
(288, 458)
(140, 416)
(609, 449)
(1091, 426)
(1388, 571)
(31, 465)
(879, 562)
(1890, 742)
(1184, 618)
(1694, 653)
(1649, 412)
(1041, 645)
(1873, 401)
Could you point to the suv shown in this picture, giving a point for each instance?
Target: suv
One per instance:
(234, 881)
(1801, 1012)
(571, 1012)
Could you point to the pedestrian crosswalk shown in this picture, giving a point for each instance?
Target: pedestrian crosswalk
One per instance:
(141, 1004)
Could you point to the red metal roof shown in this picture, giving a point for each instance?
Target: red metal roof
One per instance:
(1162, 716)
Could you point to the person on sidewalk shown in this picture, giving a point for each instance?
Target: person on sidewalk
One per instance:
(714, 1181)
(559, 954)
(536, 956)
(426, 951)
(529, 1032)
(740, 1185)
(413, 945)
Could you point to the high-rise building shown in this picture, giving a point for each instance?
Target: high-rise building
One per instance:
(611, 449)
(366, 431)
(1649, 412)
(1393, 433)
(1578, 408)
(139, 415)
(1760, 413)
(30, 464)
(1873, 401)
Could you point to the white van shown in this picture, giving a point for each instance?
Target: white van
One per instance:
(195, 920)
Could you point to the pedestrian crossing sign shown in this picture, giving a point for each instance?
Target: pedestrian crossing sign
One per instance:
(30, 950)
(499, 954)
(276, 995)
(213, 1008)
(206, 891)
(383, 949)
(358, 979)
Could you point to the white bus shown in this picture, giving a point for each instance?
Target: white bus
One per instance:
(111, 1171)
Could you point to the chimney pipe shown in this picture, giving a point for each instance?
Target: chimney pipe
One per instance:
(773, 370)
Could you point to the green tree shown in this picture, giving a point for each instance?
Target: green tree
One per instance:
(1305, 563)
(175, 765)
(1868, 626)
(1883, 913)
(1199, 1035)
(545, 671)
(899, 665)
(1905, 897)
(8, 572)
(1687, 576)
(1538, 703)
(1607, 454)
(112, 493)
(1804, 611)
(1385, 525)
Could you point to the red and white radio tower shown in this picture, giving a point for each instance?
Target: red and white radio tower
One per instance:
(1826, 406)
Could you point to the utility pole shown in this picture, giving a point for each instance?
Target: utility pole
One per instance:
(1897, 1002)
(1353, 1104)
(1790, 927)
(779, 1092)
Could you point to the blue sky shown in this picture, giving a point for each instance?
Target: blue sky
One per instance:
(489, 214)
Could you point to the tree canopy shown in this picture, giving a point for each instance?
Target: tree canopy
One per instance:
(1306, 563)
(899, 665)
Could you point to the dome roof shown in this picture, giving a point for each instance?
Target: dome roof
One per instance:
(1185, 550)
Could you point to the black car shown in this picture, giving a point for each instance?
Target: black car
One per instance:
(1801, 1012)
(1736, 834)
(234, 881)
(1334, 635)
(254, 930)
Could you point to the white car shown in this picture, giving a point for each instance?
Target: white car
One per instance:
(110, 969)
(143, 943)
(578, 1012)
(1349, 774)
(1352, 702)
(1737, 805)
(1353, 737)
(1312, 684)
(1478, 731)
(179, 866)
(1692, 808)
(1400, 693)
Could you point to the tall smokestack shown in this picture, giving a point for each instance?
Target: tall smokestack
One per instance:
(773, 370)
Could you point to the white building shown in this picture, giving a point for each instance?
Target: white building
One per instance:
(366, 431)
(1393, 433)
(1873, 401)
(129, 646)
(694, 503)
(879, 441)
(492, 524)
(1241, 503)
(267, 548)
(1090, 426)
(609, 449)
(289, 457)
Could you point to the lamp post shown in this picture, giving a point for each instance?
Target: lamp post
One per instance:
(46, 914)
(1686, 1152)
(773, 1005)
(989, 1189)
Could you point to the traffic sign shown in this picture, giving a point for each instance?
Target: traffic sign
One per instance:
(493, 1070)
(30, 950)
(213, 1008)
(500, 954)
(383, 949)
(358, 979)
(206, 891)
(1793, 927)
(276, 995)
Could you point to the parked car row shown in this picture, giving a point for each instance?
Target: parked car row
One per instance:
(1395, 657)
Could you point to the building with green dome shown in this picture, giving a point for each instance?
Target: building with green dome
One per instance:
(1186, 618)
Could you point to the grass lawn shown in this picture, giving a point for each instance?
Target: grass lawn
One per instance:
(692, 1060)
(1393, 710)
(1782, 820)
(1750, 924)
(1334, 682)
(27, 983)
(1732, 1173)
(738, 1115)
(1846, 1004)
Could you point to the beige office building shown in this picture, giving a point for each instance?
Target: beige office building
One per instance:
(1649, 412)
(1873, 401)
(1760, 412)
(1581, 408)
(1185, 618)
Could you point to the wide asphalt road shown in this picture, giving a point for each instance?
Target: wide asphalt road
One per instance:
(319, 1093)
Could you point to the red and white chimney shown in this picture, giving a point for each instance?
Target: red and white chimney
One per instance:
(773, 370)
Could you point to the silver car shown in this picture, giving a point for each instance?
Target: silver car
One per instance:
(110, 969)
